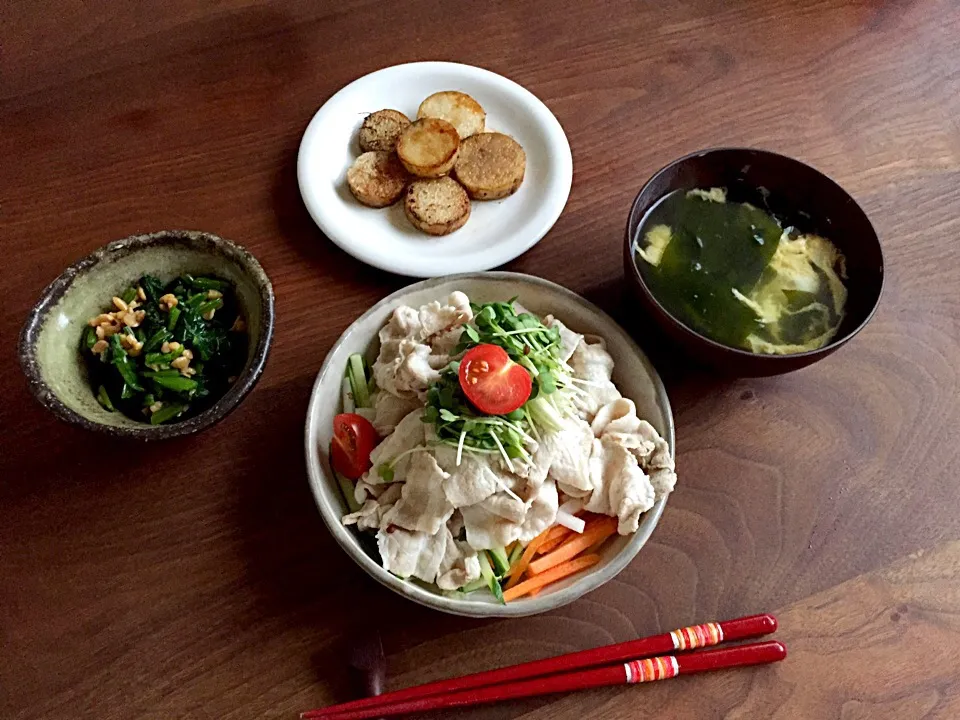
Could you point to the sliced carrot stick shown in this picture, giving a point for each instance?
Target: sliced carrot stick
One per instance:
(551, 545)
(557, 535)
(595, 548)
(599, 530)
(529, 551)
(556, 531)
(555, 573)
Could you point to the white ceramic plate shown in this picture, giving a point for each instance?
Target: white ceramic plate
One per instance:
(497, 230)
(633, 374)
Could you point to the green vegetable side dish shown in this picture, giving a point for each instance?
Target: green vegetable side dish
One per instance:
(166, 352)
(731, 272)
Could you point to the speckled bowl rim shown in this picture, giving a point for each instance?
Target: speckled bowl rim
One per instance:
(55, 291)
(410, 590)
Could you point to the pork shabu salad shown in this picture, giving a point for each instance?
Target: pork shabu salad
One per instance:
(488, 449)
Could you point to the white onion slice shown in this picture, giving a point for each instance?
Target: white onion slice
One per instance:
(566, 517)
(572, 506)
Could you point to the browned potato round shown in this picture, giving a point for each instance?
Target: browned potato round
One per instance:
(458, 109)
(436, 206)
(377, 178)
(490, 166)
(428, 147)
(380, 130)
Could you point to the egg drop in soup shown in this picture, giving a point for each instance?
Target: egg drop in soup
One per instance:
(736, 274)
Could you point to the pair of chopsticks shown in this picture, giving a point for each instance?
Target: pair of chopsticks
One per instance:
(638, 661)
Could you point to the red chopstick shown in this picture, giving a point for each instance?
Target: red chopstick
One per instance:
(688, 638)
(635, 671)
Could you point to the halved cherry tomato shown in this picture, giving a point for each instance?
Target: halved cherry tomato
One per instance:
(353, 440)
(494, 383)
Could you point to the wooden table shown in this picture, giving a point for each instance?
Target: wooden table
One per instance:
(194, 579)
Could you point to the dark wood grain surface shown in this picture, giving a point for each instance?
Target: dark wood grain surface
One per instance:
(194, 579)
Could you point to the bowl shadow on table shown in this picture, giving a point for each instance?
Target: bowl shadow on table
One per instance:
(296, 571)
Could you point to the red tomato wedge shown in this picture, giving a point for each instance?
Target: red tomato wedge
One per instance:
(492, 382)
(353, 440)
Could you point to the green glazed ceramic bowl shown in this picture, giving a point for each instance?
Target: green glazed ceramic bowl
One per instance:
(50, 339)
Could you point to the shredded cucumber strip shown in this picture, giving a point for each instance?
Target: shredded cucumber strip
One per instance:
(346, 393)
(358, 381)
(487, 574)
(479, 584)
(346, 487)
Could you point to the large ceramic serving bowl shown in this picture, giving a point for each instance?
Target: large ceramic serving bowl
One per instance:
(792, 190)
(633, 375)
(50, 340)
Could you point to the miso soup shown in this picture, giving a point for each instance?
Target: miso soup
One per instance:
(734, 273)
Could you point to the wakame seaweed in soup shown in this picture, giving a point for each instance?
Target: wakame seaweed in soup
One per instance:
(731, 272)
(166, 352)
